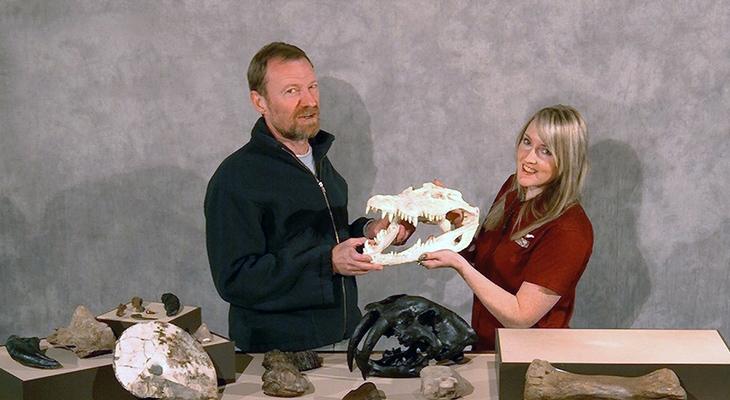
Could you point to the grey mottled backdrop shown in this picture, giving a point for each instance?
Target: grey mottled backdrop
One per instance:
(114, 114)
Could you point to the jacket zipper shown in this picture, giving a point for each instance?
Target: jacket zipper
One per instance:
(334, 227)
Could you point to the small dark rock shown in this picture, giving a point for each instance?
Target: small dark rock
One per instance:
(172, 304)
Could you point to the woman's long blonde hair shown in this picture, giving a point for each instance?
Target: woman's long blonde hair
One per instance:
(565, 135)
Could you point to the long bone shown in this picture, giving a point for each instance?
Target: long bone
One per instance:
(429, 204)
(545, 382)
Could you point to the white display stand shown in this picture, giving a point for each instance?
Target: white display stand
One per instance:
(700, 358)
(188, 319)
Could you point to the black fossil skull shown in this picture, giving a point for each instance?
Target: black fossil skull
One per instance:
(425, 329)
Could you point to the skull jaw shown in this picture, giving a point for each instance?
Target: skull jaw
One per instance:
(444, 241)
(397, 364)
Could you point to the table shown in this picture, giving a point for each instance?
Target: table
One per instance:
(333, 380)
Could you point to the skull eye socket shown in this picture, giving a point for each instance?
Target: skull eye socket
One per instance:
(428, 318)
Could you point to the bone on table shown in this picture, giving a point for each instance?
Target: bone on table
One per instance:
(545, 382)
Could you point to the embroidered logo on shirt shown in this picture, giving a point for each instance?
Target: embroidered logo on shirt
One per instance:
(523, 241)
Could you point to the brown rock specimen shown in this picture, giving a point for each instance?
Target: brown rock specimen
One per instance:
(283, 377)
(303, 360)
(545, 382)
(306, 360)
(121, 309)
(284, 380)
(84, 335)
(137, 304)
(366, 391)
(439, 382)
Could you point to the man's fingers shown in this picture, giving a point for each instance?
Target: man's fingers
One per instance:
(364, 266)
(354, 242)
(358, 257)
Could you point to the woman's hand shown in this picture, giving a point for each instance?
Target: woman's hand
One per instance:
(441, 259)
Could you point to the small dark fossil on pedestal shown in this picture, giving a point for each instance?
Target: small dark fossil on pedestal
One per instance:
(172, 304)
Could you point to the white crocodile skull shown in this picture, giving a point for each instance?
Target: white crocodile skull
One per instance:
(429, 204)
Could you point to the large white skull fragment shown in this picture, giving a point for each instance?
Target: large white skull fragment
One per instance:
(428, 204)
(159, 360)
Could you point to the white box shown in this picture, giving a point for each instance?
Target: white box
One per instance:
(700, 358)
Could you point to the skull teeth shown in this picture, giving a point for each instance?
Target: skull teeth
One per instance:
(399, 215)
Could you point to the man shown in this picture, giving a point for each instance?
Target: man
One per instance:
(280, 248)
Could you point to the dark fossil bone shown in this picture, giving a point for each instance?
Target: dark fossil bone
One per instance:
(427, 330)
(27, 351)
(172, 304)
(366, 391)
(142, 317)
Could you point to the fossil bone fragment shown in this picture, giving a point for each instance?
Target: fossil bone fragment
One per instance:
(121, 310)
(137, 304)
(202, 334)
(85, 336)
(545, 382)
(282, 378)
(172, 304)
(428, 204)
(27, 351)
(427, 330)
(159, 360)
(366, 391)
(439, 382)
(142, 317)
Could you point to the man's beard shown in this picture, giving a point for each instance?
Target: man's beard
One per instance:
(298, 130)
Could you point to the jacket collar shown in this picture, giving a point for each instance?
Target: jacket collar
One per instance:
(261, 135)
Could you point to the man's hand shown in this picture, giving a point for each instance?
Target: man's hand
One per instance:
(405, 230)
(347, 261)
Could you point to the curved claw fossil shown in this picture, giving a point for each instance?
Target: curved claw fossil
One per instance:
(426, 330)
(27, 351)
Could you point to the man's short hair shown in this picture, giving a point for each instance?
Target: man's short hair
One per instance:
(275, 50)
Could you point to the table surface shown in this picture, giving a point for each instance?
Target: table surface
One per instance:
(333, 380)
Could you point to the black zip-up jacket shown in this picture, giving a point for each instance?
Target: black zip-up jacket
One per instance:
(270, 230)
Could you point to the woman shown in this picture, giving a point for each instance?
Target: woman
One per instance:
(535, 242)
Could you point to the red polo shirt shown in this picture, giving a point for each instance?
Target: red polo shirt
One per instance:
(554, 257)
